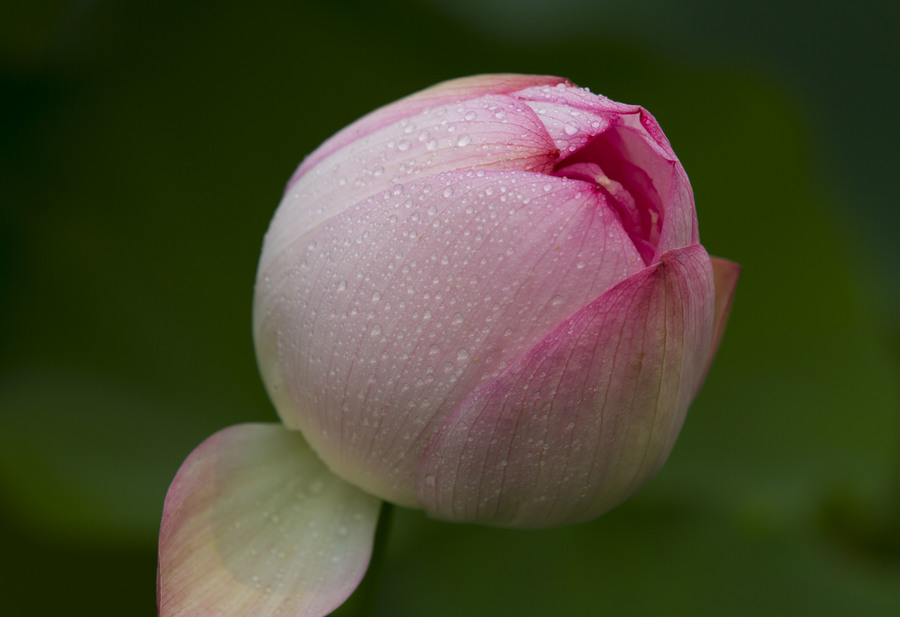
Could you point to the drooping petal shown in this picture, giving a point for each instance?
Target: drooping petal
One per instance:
(587, 416)
(405, 303)
(254, 524)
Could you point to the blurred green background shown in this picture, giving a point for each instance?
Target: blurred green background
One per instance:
(143, 148)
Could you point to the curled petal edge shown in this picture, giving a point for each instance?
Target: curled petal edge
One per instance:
(255, 524)
(725, 276)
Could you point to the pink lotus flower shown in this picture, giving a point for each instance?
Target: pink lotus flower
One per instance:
(487, 300)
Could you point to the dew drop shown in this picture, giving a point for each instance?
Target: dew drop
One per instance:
(556, 300)
(342, 285)
(376, 330)
(404, 145)
(464, 140)
(462, 355)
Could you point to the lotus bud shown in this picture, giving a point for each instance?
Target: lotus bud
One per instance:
(489, 300)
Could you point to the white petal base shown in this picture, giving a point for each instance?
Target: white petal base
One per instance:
(255, 525)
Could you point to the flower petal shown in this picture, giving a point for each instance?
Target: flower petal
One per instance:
(255, 524)
(408, 301)
(586, 417)
(444, 93)
(726, 274)
(628, 144)
(489, 132)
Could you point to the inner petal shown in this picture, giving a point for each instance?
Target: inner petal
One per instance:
(608, 161)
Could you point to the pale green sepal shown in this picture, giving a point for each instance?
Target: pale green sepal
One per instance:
(255, 525)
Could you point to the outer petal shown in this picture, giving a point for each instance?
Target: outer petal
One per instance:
(489, 132)
(254, 524)
(586, 417)
(444, 93)
(373, 333)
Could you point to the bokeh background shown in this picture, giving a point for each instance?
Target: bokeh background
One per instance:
(143, 148)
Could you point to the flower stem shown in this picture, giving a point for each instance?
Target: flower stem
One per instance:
(362, 602)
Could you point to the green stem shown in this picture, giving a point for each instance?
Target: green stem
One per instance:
(362, 602)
